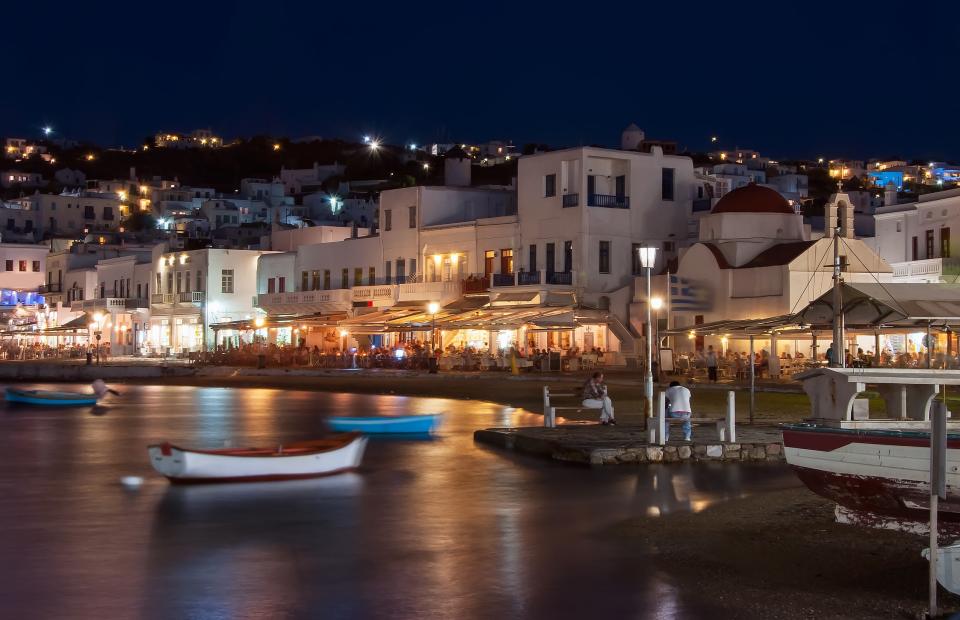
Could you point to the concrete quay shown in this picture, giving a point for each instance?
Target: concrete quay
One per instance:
(593, 444)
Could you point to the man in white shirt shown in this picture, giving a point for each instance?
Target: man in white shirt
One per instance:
(679, 398)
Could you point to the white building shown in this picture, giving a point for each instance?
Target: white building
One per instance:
(309, 180)
(195, 289)
(916, 237)
(22, 266)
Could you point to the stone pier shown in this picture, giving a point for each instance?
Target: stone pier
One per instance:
(592, 444)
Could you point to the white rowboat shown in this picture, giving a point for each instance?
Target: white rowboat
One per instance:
(301, 460)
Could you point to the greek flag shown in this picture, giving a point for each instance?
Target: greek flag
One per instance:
(685, 295)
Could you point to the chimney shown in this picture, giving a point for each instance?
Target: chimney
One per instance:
(889, 194)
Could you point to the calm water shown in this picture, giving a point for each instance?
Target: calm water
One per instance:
(427, 529)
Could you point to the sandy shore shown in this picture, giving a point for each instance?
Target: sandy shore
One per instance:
(781, 555)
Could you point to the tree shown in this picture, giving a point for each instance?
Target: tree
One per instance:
(140, 221)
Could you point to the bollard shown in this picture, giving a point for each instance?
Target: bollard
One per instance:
(731, 418)
(546, 406)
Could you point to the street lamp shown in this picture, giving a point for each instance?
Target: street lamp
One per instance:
(657, 303)
(648, 257)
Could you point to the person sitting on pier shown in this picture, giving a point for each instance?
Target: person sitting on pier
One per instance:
(679, 398)
(595, 397)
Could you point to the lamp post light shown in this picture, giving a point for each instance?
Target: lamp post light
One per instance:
(648, 257)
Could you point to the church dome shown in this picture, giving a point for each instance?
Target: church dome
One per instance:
(753, 199)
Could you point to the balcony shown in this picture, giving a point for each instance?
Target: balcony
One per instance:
(195, 297)
(429, 291)
(133, 303)
(571, 200)
(560, 278)
(379, 295)
(531, 278)
(503, 279)
(608, 201)
(526, 278)
(306, 302)
(53, 287)
(476, 284)
(161, 299)
(109, 304)
(926, 270)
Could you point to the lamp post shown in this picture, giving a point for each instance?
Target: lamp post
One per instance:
(432, 309)
(98, 332)
(648, 257)
(657, 303)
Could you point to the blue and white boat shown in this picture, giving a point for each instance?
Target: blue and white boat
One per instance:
(377, 425)
(59, 399)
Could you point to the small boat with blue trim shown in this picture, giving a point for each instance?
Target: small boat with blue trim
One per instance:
(58, 399)
(384, 425)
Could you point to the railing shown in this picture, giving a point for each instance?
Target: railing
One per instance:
(503, 279)
(528, 277)
(53, 287)
(608, 201)
(134, 304)
(915, 268)
(571, 200)
(476, 284)
(375, 293)
(563, 278)
(196, 297)
(161, 298)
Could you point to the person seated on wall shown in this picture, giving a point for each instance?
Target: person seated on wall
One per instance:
(595, 397)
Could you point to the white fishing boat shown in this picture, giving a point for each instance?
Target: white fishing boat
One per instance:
(310, 459)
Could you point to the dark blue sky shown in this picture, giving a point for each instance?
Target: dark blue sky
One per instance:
(787, 78)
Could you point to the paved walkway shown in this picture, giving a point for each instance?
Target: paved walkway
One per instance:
(594, 444)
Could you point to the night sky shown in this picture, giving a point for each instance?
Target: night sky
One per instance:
(791, 79)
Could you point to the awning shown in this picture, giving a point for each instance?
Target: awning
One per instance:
(522, 296)
(881, 304)
(310, 320)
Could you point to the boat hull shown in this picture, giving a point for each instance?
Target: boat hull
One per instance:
(182, 466)
(406, 425)
(875, 476)
(49, 398)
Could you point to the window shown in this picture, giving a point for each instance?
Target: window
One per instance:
(636, 268)
(945, 242)
(315, 280)
(281, 284)
(36, 263)
(22, 265)
(344, 278)
(169, 283)
(271, 285)
(401, 271)
(898, 227)
(88, 213)
(666, 179)
(226, 281)
(929, 243)
(604, 257)
(186, 282)
(387, 219)
(11, 224)
(669, 246)
(913, 249)
(567, 256)
(159, 282)
(199, 280)
(387, 277)
(372, 276)
(620, 187)
(550, 185)
(551, 257)
(139, 291)
(506, 261)
(108, 213)
(413, 216)
(358, 276)
(532, 261)
(326, 279)
(304, 281)
(488, 257)
(179, 281)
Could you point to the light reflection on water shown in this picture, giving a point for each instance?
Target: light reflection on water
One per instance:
(438, 528)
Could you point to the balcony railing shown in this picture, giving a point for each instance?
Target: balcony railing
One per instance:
(476, 284)
(528, 277)
(608, 201)
(503, 279)
(136, 304)
(571, 200)
(196, 297)
(563, 278)
(161, 298)
(53, 287)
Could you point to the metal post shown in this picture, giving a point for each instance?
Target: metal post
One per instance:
(753, 371)
(938, 475)
(648, 383)
(929, 347)
(839, 350)
(731, 417)
(876, 347)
